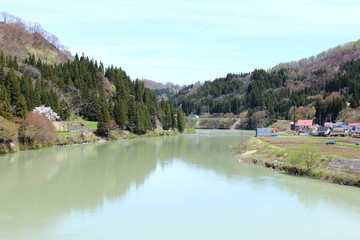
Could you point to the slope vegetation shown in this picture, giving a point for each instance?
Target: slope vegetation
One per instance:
(317, 87)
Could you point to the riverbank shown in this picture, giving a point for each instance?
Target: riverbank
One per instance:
(70, 138)
(303, 156)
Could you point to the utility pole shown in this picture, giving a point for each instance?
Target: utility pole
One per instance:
(294, 115)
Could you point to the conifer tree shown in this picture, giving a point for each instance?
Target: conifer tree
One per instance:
(103, 119)
(120, 112)
(14, 87)
(5, 107)
(20, 107)
(64, 110)
(142, 120)
(173, 119)
(133, 116)
(181, 120)
(2, 75)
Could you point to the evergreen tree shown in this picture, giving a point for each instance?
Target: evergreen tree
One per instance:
(173, 118)
(5, 107)
(102, 125)
(2, 75)
(14, 88)
(181, 123)
(20, 107)
(64, 110)
(133, 116)
(142, 119)
(120, 113)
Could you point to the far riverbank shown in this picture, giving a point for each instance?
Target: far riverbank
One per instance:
(77, 138)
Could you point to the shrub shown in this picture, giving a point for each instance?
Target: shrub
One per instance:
(306, 157)
(8, 135)
(32, 71)
(36, 130)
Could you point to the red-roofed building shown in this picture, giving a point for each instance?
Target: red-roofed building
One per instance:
(328, 124)
(304, 125)
(353, 124)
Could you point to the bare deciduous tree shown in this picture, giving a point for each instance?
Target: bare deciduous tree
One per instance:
(34, 27)
(9, 18)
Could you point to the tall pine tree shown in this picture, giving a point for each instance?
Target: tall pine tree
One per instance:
(181, 123)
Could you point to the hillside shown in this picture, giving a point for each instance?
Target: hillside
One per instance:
(317, 87)
(20, 39)
(162, 91)
(35, 72)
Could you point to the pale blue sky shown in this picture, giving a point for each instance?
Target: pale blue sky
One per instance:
(189, 41)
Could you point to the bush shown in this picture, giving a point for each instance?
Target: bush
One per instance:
(306, 157)
(8, 135)
(36, 130)
(32, 71)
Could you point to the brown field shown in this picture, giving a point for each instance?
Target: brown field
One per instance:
(345, 147)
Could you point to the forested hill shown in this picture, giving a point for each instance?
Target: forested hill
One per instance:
(317, 86)
(82, 87)
(162, 91)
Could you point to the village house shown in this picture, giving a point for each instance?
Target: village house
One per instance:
(353, 124)
(341, 128)
(323, 131)
(304, 124)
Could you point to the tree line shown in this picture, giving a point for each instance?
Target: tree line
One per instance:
(268, 91)
(83, 87)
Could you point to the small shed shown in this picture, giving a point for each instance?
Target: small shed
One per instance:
(263, 132)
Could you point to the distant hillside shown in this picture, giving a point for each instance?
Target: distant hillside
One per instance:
(317, 87)
(20, 39)
(162, 91)
(319, 68)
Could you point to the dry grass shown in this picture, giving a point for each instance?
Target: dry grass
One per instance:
(344, 147)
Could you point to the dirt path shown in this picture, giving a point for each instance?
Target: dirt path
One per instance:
(247, 153)
(236, 123)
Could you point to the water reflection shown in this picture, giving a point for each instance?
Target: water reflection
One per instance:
(38, 187)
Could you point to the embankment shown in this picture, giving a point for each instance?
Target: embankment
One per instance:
(77, 138)
(302, 157)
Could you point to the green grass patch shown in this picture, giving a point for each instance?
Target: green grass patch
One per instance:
(74, 118)
(65, 134)
(189, 130)
(90, 125)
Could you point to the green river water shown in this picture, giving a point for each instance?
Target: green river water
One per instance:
(184, 187)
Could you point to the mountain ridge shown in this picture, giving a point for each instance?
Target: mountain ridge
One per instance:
(305, 83)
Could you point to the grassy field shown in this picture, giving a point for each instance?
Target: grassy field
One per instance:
(303, 156)
(345, 147)
(90, 125)
(65, 134)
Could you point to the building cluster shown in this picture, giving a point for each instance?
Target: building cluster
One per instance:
(338, 129)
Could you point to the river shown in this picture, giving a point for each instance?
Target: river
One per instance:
(182, 187)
